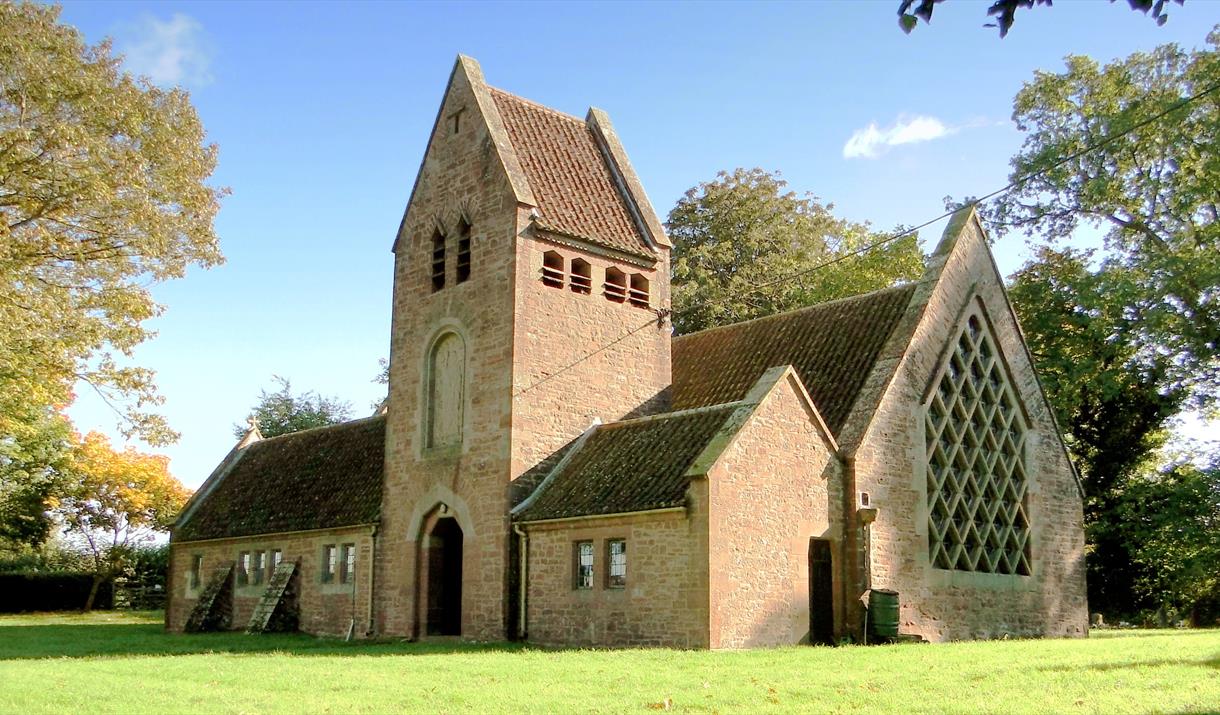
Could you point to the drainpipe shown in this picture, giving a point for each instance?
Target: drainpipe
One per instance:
(867, 515)
(368, 629)
(522, 577)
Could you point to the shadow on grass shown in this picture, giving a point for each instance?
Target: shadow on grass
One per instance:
(1212, 662)
(1152, 633)
(135, 640)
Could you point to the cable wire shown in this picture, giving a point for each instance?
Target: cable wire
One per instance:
(663, 314)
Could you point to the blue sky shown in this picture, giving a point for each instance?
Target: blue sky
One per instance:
(322, 111)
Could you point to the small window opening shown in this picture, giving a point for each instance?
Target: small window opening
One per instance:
(438, 261)
(457, 121)
(463, 257)
(582, 276)
(584, 565)
(260, 568)
(616, 285)
(552, 269)
(243, 568)
(616, 576)
(639, 291)
(330, 565)
(347, 559)
(276, 557)
(196, 570)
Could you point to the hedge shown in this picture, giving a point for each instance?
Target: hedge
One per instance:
(51, 592)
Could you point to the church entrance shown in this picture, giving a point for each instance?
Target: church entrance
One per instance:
(443, 562)
(821, 593)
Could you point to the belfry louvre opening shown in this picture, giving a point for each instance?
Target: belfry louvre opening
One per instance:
(977, 484)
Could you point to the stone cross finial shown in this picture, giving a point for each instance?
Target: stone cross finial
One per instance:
(252, 434)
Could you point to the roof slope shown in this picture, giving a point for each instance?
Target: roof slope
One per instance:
(630, 466)
(573, 185)
(832, 346)
(314, 479)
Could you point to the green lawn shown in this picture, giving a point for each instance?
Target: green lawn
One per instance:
(120, 662)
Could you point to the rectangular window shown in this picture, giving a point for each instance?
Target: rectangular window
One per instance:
(276, 557)
(463, 257)
(243, 568)
(196, 570)
(260, 568)
(347, 560)
(584, 565)
(438, 262)
(330, 565)
(616, 576)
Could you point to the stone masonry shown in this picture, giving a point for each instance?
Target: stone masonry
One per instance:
(538, 402)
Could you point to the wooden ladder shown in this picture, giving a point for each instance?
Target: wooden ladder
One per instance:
(213, 611)
(273, 599)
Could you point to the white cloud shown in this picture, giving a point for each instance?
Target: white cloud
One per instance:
(168, 52)
(873, 141)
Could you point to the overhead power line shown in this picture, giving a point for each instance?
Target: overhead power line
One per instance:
(1089, 148)
(662, 315)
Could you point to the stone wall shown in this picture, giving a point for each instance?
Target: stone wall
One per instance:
(776, 487)
(542, 362)
(581, 357)
(665, 602)
(941, 604)
(462, 176)
(325, 608)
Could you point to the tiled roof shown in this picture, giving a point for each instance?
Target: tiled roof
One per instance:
(629, 466)
(569, 176)
(833, 346)
(315, 479)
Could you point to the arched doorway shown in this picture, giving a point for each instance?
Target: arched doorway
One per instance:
(442, 578)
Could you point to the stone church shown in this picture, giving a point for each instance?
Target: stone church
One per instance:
(553, 465)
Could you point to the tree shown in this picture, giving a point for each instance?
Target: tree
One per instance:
(1113, 406)
(1154, 191)
(1172, 519)
(281, 412)
(910, 12)
(34, 452)
(102, 193)
(732, 237)
(114, 501)
(1125, 338)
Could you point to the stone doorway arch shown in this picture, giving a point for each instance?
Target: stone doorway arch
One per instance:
(439, 567)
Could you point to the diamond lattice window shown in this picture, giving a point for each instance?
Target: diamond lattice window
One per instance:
(977, 484)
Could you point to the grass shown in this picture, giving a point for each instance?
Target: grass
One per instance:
(123, 662)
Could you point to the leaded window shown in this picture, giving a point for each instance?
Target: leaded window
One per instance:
(243, 568)
(260, 567)
(347, 572)
(976, 477)
(196, 571)
(616, 576)
(330, 565)
(584, 565)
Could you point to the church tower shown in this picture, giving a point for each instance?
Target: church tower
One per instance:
(531, 297)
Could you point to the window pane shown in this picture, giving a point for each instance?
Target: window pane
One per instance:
(349, 563)
(584, 564)
(276, 557)
(243, 568)
(329, 557)
(260, 565)
(618, 563)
